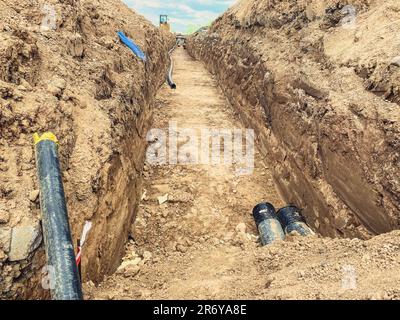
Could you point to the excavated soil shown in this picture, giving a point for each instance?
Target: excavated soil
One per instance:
(202, 243)
(66, 71)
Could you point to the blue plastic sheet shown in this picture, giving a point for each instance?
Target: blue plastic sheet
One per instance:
(131, 45)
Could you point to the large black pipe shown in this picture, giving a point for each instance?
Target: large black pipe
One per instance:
(292, 221)
(57, 235)
(267, 223)
(170, 82)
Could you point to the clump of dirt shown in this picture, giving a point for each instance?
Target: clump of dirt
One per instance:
(63, 69)
(318, 81)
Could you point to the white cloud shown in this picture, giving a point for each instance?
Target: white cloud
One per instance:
(182, 14)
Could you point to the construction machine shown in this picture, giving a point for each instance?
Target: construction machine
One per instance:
(164, 25)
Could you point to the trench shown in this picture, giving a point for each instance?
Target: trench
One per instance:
(192, 214)
(205, 200)
(194, 224)
(194, 236)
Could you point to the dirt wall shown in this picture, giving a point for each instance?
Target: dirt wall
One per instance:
(63, 69)
(313, 83)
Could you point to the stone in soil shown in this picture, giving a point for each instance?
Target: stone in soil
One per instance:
(24, 240)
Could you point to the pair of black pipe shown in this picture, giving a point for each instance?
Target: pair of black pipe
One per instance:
(274, 225)
(63, 271)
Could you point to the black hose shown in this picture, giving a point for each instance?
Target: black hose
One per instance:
(57, 235)
(170, 82)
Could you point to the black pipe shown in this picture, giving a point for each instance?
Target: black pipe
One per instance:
(170, 82)
(56, 229)
(292, 220)
(267, 223)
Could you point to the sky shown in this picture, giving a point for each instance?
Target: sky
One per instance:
(184, 16)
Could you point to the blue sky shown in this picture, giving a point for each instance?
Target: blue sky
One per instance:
(182, 14)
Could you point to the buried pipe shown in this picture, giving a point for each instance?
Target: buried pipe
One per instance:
(132, 45)
(267, 223)
(292, 221)
(63, 271)
(170, 82)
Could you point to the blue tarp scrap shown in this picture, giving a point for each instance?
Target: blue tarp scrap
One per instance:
(131, 45)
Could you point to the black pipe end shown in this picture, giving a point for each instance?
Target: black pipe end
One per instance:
(264, 211)
(289, 215)
(173, 86)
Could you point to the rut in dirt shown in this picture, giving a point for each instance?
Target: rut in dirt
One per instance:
(186, 205)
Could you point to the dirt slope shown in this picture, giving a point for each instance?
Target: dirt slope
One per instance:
(202, 242)
(319, 83)
(63, 69)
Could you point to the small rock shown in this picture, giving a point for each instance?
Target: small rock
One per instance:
(107, 296)
(128, 263)
(5, 239)
(75, 46)
(90, 284)
(24, 240)
(269, 281)
(163, 199)
(146, 256)
(395, 61)
(2, 255)
(131, 271)
(4, 216)
(34, 195)
(56, 86)
(181, 248)
(310, 13)
(241, 228)
(181, 196)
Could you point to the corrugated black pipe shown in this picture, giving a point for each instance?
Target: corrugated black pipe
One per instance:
(170, 82)
(57, 235)
(292, 220)
(267, 223)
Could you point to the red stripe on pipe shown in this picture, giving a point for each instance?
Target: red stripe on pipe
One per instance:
(78, 256)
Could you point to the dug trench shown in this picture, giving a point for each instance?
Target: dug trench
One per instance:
(195, 237)
(328, 139)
